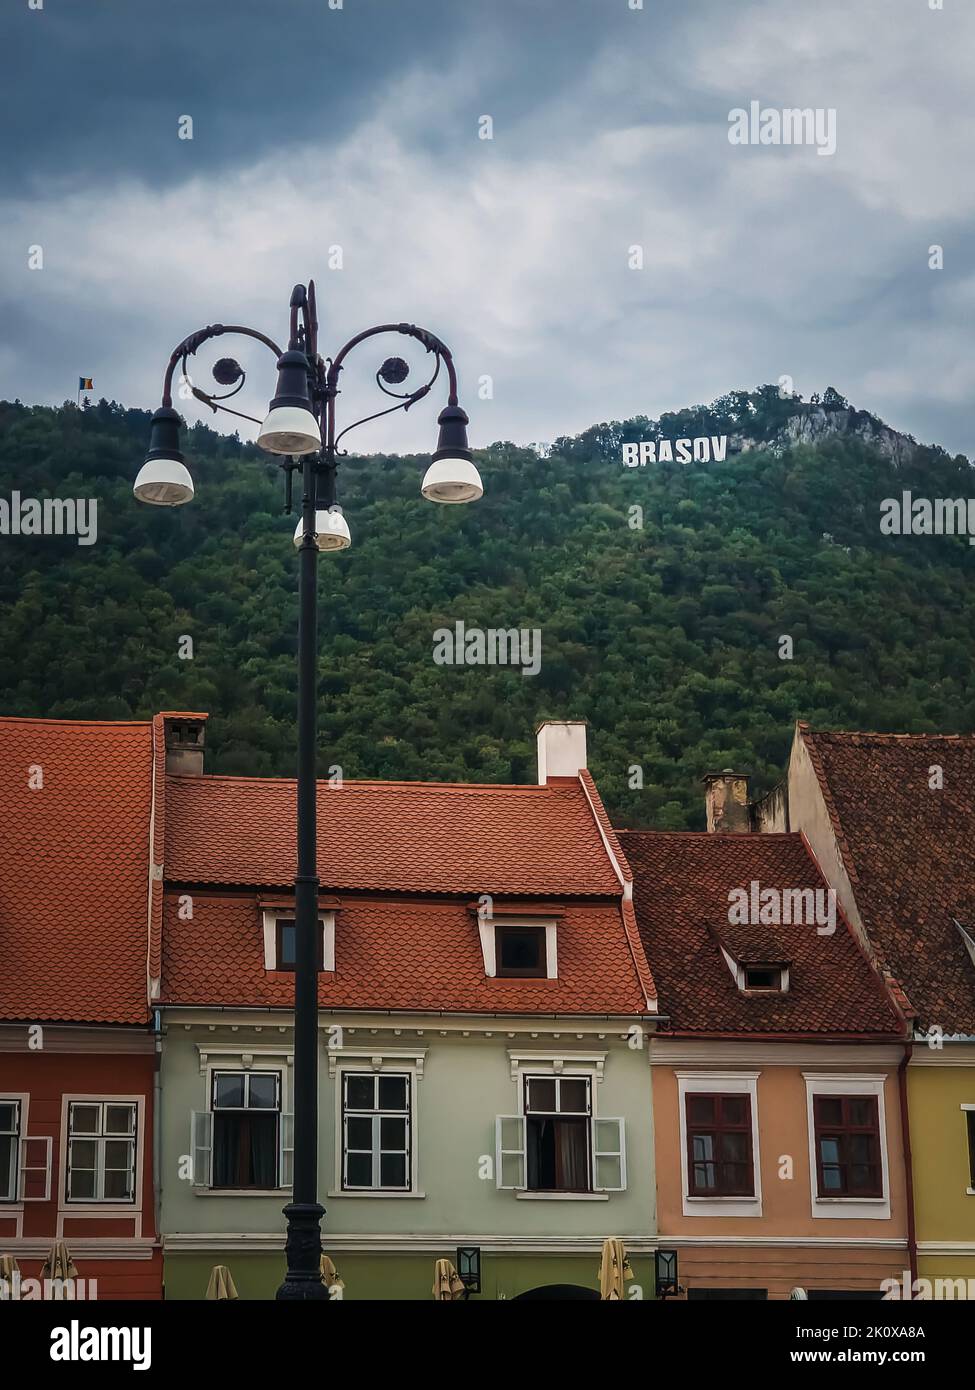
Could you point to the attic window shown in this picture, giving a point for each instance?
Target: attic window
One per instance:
(765, 979)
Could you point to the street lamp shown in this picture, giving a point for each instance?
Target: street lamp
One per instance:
(300, 426)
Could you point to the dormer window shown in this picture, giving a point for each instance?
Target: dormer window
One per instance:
(279, 940)
(766, 979)
(517, 943)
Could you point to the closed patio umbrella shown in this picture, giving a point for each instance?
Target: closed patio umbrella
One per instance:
(221, 1283)
(58, 1267)
(8, 1268)
(614, 1268)
(330, 1275)
(447, 1283)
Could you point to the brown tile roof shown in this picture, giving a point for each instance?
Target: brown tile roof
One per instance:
(414, 837)
(402, 954)
(910, 854)
(682, 882)
(74, 871)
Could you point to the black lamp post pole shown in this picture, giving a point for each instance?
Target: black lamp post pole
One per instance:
(306, 383)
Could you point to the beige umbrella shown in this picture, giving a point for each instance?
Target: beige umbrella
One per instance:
(330, 1275)
(8, 1268)
(58, 1267)
(614, 1268)
(447, 1283)
(221, 1283)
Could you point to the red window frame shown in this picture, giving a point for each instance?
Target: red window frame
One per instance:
(719, 1126)
(844, 1133)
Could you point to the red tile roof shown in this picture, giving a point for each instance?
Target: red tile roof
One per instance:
(909, 850)
(402, 954)
(415, 837)
(74, 871)
(681, 885)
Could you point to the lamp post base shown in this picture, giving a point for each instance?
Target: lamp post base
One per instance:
(303, 1280)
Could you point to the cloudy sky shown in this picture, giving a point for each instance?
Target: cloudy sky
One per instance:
(358, 127)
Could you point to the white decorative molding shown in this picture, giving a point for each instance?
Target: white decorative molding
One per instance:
(413, 1244)
(593, 1062)
(713, 1052)
(86, 1247)
(242, 1055)
(378, 1059)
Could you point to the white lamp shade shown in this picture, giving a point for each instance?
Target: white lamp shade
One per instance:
(290, 429)
(452, 480)
(331, 531)
(164, 482)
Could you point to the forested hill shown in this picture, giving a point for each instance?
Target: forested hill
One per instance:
(667, 639)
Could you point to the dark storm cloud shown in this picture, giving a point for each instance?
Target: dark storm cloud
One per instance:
(358, 128)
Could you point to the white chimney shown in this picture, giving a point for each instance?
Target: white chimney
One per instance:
(561, 748)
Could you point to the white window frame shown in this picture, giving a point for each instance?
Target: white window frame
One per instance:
(487, 927)
(847, 1208)
(379, 1061)
(376, 1116)
(588, 1067)
(16, 1161)
(726, 1083)
(202, 1126)
(969, 1191)
(326, 921)
(99, 1200)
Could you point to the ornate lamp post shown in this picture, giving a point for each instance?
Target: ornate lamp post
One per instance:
(300, 426)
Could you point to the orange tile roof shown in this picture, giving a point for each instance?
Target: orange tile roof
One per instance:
(909, 850)
(397, 954)
(681, 890)
(74, 871)
(416, 837)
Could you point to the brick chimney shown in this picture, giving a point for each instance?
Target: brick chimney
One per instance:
(561, 748)
(185, 738)
(726, 799)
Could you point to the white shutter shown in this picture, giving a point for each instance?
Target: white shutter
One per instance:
(609, 1155)
(286, 1145)
(201, 1146)
(34, 1179)
(510, 1168)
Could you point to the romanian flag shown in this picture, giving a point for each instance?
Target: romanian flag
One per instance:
(86, 383)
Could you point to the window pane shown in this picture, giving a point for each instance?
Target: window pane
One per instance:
(262, 1091)
(862, 1110)
(574, 1096)
(392, 1133)
(118, 1186)
(228, 1090)
(358, 1129)
(861, 1148)
(8, 1117)
(832, 1179)
(734, 1110)
(700, 1110)
(360, 1092)
(85, 1118)
(521, 948)
(702, 1146)
(734, 1146)
(828, 1110)
(829, 1150)
(118, 1153)
(392, 1093)
(286, 954)
(704, 1175)
(82, 1182)
(8, 1147)
(83, 1153)
(541, 1094)
(862, 1177)
(392, 1170)
(119, 1119)
(359, 1170)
